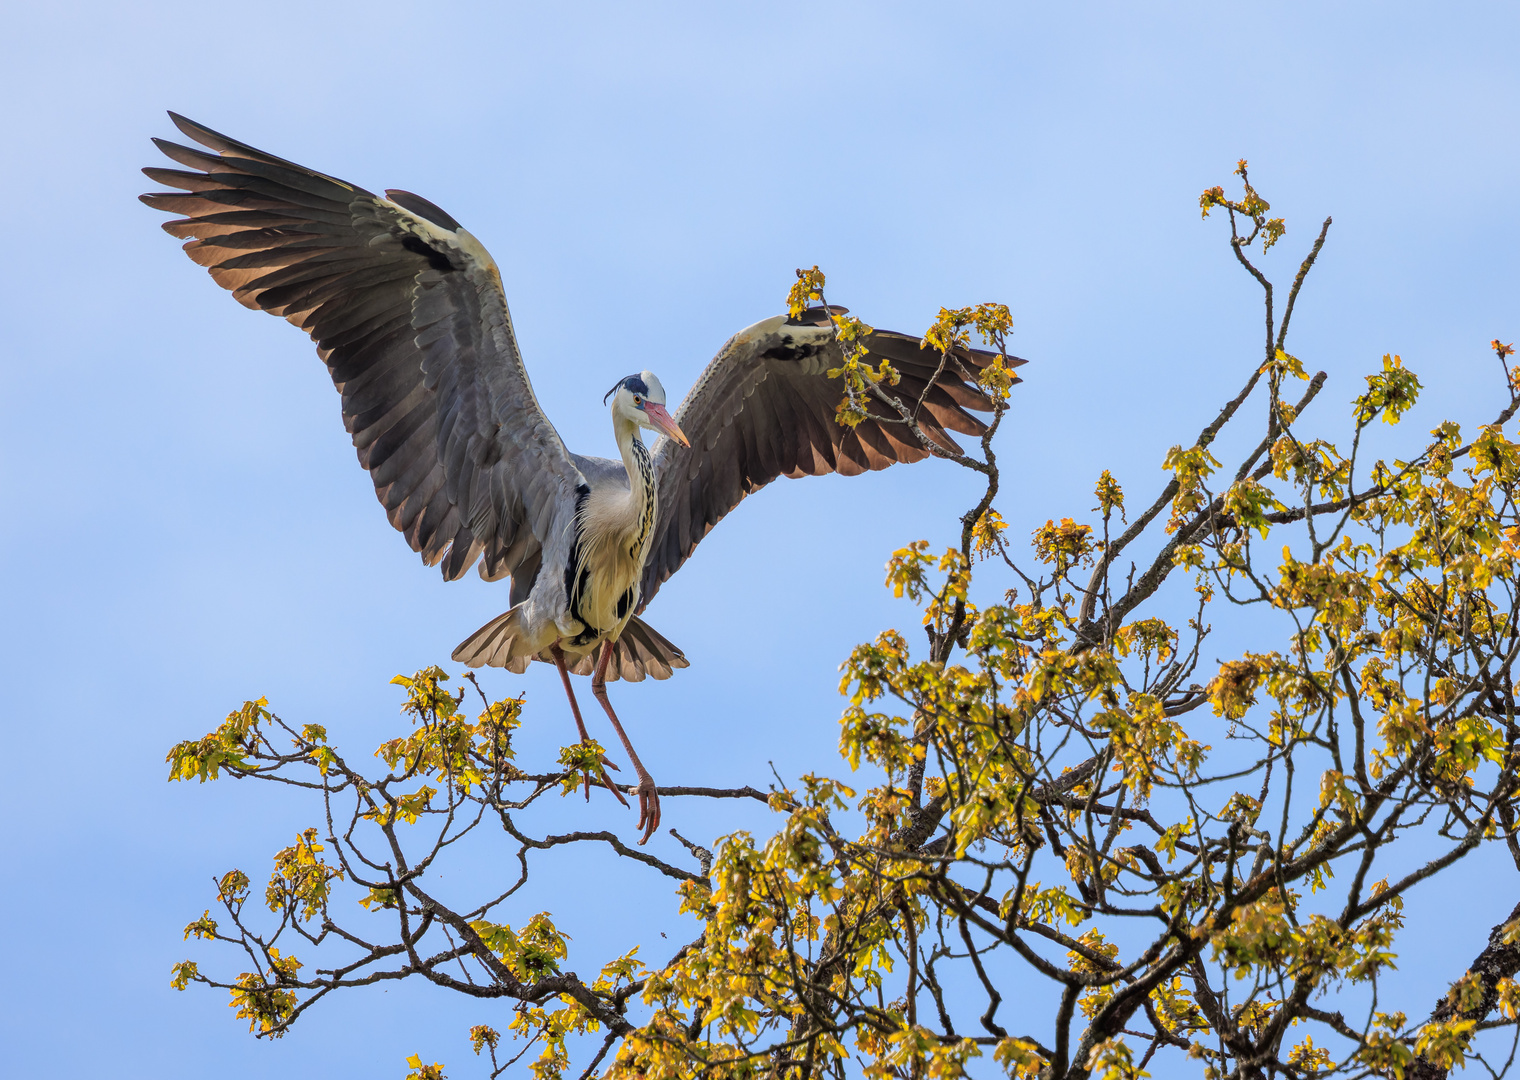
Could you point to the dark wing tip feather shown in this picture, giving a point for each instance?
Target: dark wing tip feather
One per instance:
(227, 146)
(222, 144)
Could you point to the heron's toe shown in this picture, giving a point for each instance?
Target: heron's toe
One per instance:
(649, 808)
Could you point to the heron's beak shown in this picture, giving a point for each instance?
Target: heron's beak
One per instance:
(661, 421)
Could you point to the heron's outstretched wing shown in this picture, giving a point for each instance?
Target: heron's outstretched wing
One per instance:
(406, 309)
(765, 407)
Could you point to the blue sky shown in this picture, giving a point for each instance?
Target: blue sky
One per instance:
(188, 528)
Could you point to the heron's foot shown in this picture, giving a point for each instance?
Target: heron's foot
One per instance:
(649, 806)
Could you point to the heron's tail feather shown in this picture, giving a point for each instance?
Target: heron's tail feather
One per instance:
(643, 650)
(640, 652)
(499, 643)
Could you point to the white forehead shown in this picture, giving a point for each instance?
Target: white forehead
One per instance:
(656, 390)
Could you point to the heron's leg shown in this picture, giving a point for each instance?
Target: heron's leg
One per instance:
(649, 798)
(575, 709)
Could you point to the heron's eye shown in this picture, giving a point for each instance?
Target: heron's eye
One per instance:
(638, 400)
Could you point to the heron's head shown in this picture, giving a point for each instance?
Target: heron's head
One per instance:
(640, 400)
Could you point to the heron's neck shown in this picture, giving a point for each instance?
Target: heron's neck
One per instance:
(640, 467)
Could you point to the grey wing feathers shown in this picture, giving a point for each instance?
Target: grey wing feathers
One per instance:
(765, 407)
(406, 310)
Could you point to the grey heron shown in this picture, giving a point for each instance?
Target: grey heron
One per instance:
(407, 310)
